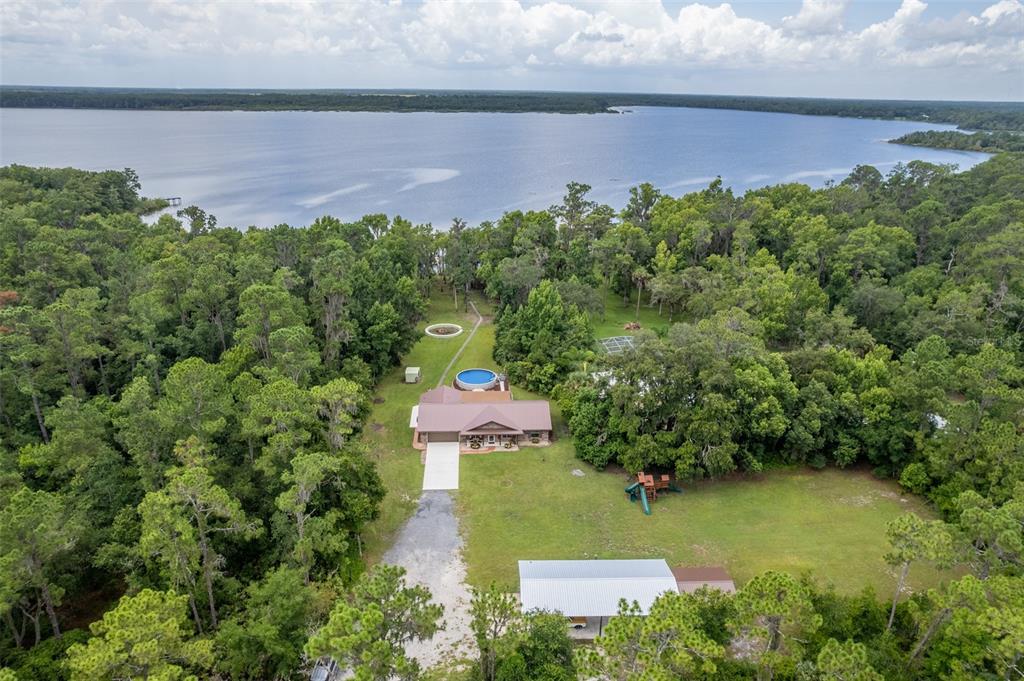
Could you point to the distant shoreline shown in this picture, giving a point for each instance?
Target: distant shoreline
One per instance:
(988, 116)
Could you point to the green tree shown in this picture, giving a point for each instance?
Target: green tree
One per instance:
(845, 662)
(35, 533)
(262, 309)
(23, 348)
(913, 539)
(294, 353)
(541, 341)
(145, 636)
(640, 208)
(367, 632)
(667, 643)
(74, 321)
(199, 222)
(340, 403)
(264, 640)
(640, 277)
(210, 294)
(196, 400)
(309, 472)
(995, 534)
(774, 611)
(332, 291)
(191, 499)
(495, 617)
(980, 630)
(283, 415)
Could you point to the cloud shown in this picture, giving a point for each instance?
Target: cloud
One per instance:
(817, 16)
(519, 38)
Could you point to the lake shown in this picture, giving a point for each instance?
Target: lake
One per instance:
(266, 168)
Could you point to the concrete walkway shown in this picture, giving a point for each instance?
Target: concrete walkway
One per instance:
(429, 547)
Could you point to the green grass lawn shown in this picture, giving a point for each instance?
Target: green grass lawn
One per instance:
(617, 314)
(520, 505)
(528, 505)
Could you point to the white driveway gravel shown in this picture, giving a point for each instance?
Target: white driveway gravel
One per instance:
(429, 547)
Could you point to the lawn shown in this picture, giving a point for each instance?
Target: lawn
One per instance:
(387, 434)
(617, 314)
(529, 505)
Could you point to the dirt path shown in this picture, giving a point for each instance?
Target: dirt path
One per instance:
(429, 547)
(469, 337)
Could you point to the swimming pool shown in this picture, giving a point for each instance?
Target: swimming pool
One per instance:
(476, 379)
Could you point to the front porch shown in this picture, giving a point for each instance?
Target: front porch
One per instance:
(480, 443)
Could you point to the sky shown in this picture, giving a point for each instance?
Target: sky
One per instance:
(828, 48)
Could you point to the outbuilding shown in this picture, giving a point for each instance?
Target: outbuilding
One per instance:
(690, 579)
(413, 374)
(588, 591)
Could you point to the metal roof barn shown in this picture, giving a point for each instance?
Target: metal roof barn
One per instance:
(592, 588)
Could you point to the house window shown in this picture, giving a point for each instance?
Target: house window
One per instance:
(490, 440)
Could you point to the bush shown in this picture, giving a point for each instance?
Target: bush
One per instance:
(915, 478)
(44, 662)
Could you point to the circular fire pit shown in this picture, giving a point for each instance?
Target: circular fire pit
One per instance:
(444, 330)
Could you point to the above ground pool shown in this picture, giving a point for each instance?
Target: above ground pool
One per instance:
(476, 379)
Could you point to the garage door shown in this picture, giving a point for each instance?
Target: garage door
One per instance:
(443, 437)
(442, 466)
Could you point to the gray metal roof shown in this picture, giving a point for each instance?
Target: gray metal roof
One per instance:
(592, 588)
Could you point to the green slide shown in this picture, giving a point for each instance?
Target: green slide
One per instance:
(637, 491)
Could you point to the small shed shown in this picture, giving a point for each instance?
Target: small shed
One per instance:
(689, 579)
(413, 374)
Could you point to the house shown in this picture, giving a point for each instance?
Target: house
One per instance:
(689, 579)
(479, 421)
(588, 591)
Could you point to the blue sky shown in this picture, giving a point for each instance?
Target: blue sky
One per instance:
(834, 48)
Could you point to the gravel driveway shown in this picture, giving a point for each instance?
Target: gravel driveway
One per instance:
(429, 547)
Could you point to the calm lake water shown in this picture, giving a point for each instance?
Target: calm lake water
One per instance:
(253, 168)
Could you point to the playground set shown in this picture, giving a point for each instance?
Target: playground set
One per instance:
(646, 488)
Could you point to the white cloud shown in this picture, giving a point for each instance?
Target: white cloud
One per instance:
(517, 38)
(817, 16)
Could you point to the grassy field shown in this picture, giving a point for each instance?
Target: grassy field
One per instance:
(528, 504)
(617, 314)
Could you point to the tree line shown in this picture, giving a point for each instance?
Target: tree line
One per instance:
(966, 115)
(977, 141)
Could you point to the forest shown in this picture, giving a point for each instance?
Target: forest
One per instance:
(966, 115)
(183, 487)
(976, 141)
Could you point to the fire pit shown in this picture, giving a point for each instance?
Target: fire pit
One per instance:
(444, 330)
